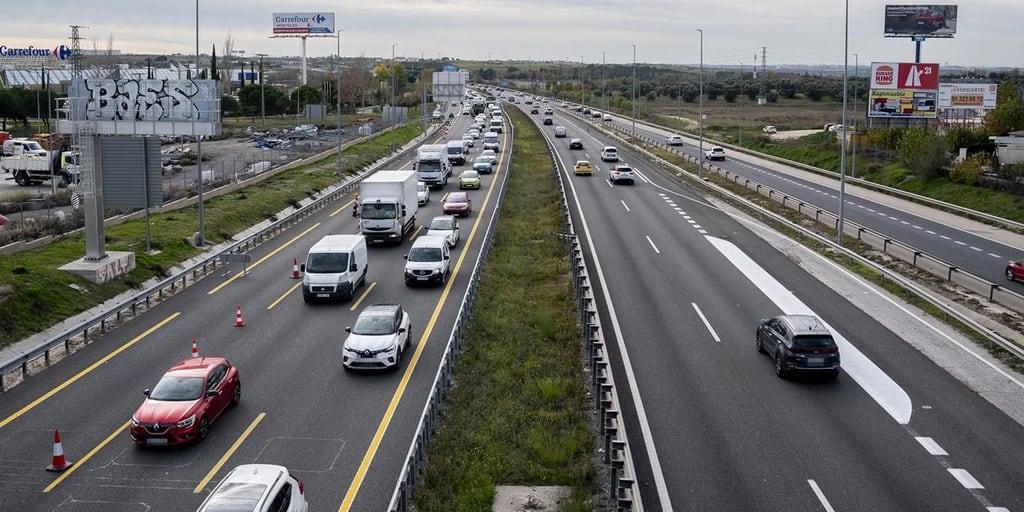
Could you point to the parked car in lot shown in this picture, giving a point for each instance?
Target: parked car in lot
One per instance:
(1015, 270)
(428, 261)
(769, 129)
(575, 143)
(798, 343)
(621, 173)
(378, 339)
(674, 140)
(609, 154)
(257, 488)
(715, 153)
(582, 167)
(457, 203)
(469, 179)
(186, 401)
(445, 226)
(422, 193)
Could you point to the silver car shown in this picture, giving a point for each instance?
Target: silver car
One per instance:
(445, 226)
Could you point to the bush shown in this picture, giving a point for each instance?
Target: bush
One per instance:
(923, 151)
(968, 171)
(965, 137)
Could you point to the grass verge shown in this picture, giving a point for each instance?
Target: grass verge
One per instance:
(35, 293)
(517, 413)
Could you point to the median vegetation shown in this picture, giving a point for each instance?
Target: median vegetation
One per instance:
(35, 294)
(517, 414)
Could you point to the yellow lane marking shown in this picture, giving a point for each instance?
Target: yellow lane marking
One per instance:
(46, 396)
(378, 436)
(265, 258)
(363, 296)
(231, 451)
(346, 205)
(81, 462)
(284, 295)
(417, 232)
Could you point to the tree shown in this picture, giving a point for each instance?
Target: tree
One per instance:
(214, 75)
(651, 96)
(923, 152)
(773, 96)
(711, 93)
(730, 95)
(488, 74)
(814, 93)
(305, 95)
(1008, 116)
(689, 95)
(229, 106)
(229, 48)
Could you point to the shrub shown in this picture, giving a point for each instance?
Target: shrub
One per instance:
(968, 171)
(965, 137)
(923, 151)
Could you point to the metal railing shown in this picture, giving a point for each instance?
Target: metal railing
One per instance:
(899, 250)
(40, 357)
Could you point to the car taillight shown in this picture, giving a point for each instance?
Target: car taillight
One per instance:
(302, 488)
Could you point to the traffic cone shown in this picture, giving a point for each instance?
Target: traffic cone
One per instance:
(59, 463)
(195, 348)
(295, 269)
(239, 321)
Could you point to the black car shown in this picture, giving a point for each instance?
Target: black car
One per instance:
(798, 343)
(535, 110)
(575, 144)
(547, 121)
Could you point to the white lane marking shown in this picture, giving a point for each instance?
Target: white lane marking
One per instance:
(872, 210)
(904, 222)
(915, 226)
(682, 213)
(965, 478)
(691, 221)
(885, 391)
(701, 231)
(624, 205)
(997, 509)
(588, 154)
(944, 237)
(931, 446)
(655, 247)
(634, 391)
(696, 226)
(678, 209)
(994, 255)
(975, 248)
(706, 323)
(609, 183)
(821, 496)
(930, 232)
(893, 218)
(958, 242)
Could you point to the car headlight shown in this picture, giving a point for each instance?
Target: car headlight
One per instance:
(187, 422)
(135, 421)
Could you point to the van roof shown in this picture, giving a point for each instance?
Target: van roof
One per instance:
(491, 134)
(389, 176)
(429, 241)
(455, 143)
(337, 243)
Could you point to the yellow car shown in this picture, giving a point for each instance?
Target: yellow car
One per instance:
(583, 167)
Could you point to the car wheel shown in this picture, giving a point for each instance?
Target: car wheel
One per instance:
(780, 370)
(204, 429)
(757, 343)
(1009, 274)
(237, 397)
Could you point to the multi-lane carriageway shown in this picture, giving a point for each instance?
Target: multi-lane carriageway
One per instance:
(681, 286)
(345, 435)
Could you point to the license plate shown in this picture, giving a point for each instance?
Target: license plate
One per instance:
(421, 279)
(815, 361)
(323, 295)
(156, 440)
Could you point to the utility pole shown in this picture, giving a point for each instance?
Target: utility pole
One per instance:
(739, 101)
(604, 83)
(853, 149)
(393, 68)
(337, 93)
(201, 239)
(583, 95)
(634, 91)
(263, 103)
(700, 115)
(842, 155)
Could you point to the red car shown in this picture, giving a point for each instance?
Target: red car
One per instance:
(457, 203)
(186, 401)
(1015, 270)
(4, 222)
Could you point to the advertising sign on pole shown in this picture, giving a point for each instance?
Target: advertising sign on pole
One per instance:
(902, 103)
(904, 90)
(920, 20)
(904, 75)
(968, 96)
(303, 24)
(146, 107)
(449, 86)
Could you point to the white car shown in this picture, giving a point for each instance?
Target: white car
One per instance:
(607, 118)
(609, 154)
(422, 193)
(379, 338)
(445, 226)
(468, 139)
(259, 488)
(428, 261)
(436, 115)
(769, 129)
(621, 173)
(475, 133)
(674, 140)
(715, 153)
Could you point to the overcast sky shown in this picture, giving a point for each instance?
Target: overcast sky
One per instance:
(795, 31)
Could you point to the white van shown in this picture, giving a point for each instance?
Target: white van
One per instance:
(456, 150)
(428, 262)
(496, 125)
(491, 142)
(334, 268)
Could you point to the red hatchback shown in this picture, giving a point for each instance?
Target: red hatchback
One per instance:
(457, 203)
(1015, 270)
(186, 401)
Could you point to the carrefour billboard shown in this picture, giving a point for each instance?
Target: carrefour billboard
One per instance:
(302, 24)
(920, 20)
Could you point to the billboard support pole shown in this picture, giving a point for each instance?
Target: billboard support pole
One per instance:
(145, 178)
(842, 154)
(917, 50)
(303, 60)
(95, 239)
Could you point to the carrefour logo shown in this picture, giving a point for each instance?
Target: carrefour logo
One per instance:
(62, 52)
(319, 18)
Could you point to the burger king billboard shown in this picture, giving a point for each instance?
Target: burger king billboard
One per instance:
(903, 90)
(905, 75)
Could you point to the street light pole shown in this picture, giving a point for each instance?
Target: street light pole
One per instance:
(842, 155)
(337, 94)
(604, 84)
(853, 148)
(700, 111)
(392, 103)
(263, 103)
(201, 239)
(634, 91)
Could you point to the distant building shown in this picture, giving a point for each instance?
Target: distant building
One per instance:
(1010, 149)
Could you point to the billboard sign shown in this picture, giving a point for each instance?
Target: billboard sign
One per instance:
(902, 104)
(450, 86)
(920, 20)
(968, 96)
(303, 24)
(146, 107)
(904, 75)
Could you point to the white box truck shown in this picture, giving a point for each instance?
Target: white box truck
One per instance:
(388, 206)
(432, 165)
(31, 169)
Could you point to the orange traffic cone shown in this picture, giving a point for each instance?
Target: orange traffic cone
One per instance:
(195, 348)
(59, 463)
(295, 269)
(239, 321)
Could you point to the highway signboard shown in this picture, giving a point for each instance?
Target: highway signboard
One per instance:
(146, 107)
(303, 24)
(968, 96)
(904, 90)
(929, 20)
(449, 86)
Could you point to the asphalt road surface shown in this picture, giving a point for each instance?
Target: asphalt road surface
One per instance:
(681, 287)
(345, 435)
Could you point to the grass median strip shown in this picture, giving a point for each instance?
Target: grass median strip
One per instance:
(517, 413)
(35, 293)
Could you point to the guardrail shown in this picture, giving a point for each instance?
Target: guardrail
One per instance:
(899, 250)
(902, 194)
(40, 357)
(401, 497)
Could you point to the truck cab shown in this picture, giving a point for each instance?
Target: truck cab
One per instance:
(388, 202)
(433, 165)
(456, 151)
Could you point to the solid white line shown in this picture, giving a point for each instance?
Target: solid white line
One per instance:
(609, 183)
(706, 323)
(931, 446)
(997, 509)
(624, 205)
(965, 478)
(821, 496)
(652, 244)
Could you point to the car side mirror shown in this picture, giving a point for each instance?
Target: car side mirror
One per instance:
(447, 257)
(401, 330)
(145, 391)
(764, 321)
(405, 256)
(403, 210)
(212, 393)
(353, 267)
(302, 267)
(348, 329)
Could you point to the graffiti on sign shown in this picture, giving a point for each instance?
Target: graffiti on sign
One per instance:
(144, 100)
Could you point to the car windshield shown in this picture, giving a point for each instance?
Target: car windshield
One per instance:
(470, 175)
(422, 254)
(455, 150)
(236, 497)
(583, 163)
(813, 341)
(327, 262)
(428, 166)
(457, 198)
(442, 224)
(175, 389)
(623, 169)
(421, 187)
(482, 160)
(374, 325)
(376, 211)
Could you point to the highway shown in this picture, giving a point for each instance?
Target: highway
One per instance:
(344, 434)
(969, 250)
(681, 287)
